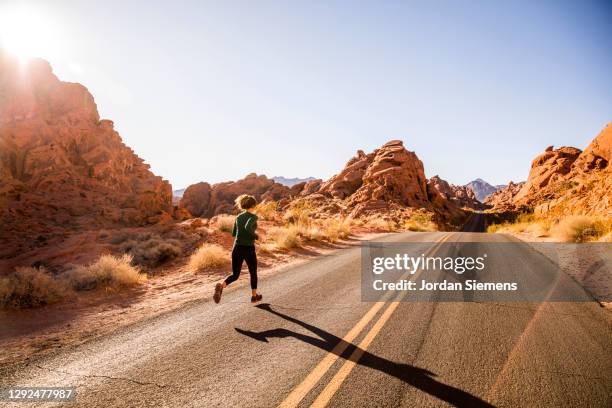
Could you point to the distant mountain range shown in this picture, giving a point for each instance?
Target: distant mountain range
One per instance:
(482, 189)
(290, 182)
(178, 193)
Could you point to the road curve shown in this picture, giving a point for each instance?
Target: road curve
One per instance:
(306, 338)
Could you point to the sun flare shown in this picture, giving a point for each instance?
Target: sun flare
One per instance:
(27, 33)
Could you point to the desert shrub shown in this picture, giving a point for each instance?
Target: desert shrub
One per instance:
(357, 222)
(266, 248)
(176, 234)
(267, 211)
(144, 236)
(525, 218)
(298, 213)
(208, 256)
(225, 222)
(418, 222)
(506, 227)
(108, 270)
(606, 238)
(493, 228)
(286, 237)
(380, 224)
(336, 228)
(314, 233)
(152, 250)
(581, 228)
(31, 287)
(539, 228)
(414, 226)
(513, 222)
(119, 238)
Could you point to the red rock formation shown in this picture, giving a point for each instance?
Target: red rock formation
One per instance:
(350, 178)
(196, 199)
(462, 196)
(567, 182)
(548, 168)
(388, 179)
(203, 200)
(503, 200)
(311, 187)
(389, 174)
(61, 167)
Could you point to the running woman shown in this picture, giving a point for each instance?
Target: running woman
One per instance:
(244, 247)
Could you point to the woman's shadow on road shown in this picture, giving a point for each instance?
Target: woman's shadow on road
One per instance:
(415, 376)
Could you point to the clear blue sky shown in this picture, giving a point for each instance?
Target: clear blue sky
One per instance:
(214, 90)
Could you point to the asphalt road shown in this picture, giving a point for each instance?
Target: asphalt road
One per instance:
(313, 342)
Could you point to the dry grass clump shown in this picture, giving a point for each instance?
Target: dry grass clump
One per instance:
(419, 222)
(225, 222)
(299, 213)
(606, 238)
(336, 228)
(208, 256)
(581, 228)
(267, 211)
(314, 233)
(108, 270)
(574, 228)
(28, 287)
(286, 237)
(266, 248)
(524, 222)
(292, 235)
(152, 250)
(381, 224)
(537, 228)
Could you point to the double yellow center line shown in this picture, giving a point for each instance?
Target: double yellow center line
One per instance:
(311, 380)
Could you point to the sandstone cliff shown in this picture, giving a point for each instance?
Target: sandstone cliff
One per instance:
(61, 167)
(461, 196)
(389, 179)
(566, 181)
(503, 200)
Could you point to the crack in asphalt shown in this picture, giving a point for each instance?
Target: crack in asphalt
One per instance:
(108, 377)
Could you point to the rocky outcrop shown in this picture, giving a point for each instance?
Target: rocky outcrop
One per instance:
(61, 167)
(388, 179)
(311, 187)
(482, 189)
(461, 196)
(503, 199)
(350, 178)
(586, 188)
(196, 199)
(548, 168)
(567, 181)
(204, 200)
(389, 174)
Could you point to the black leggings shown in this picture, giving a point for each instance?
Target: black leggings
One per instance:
(243, 253)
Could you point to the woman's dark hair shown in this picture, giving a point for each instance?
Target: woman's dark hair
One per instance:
(245, 201)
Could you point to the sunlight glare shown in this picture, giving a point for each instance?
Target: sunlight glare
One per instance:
(26, 33)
